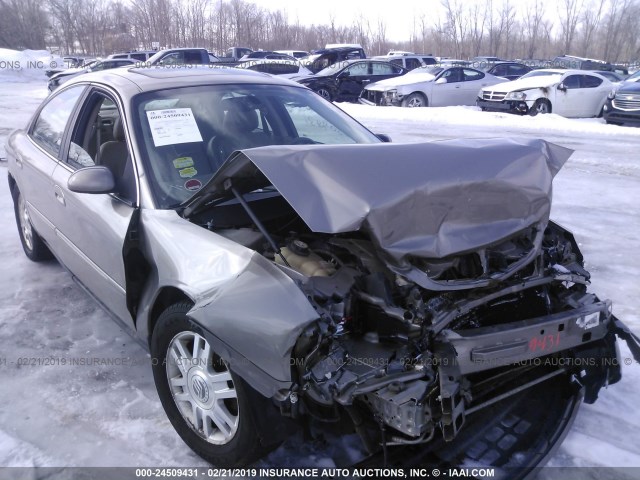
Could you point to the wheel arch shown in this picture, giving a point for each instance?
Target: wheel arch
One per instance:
(422, 94)
(164, 298)
(13, 186)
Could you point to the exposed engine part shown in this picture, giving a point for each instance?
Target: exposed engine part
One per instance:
(298, 255)
(405, 353)
(403, 407)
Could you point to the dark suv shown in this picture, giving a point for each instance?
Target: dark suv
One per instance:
(326, 57)
(623, 104)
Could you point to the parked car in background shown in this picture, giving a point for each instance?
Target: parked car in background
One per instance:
(508, 70)
(623, 102)
(294, 53)
(61, 77)
(285, 68)
(266, 54)
(454, 62)
(67, 63)
(321, 59)
(344, 81)
(572, 62)
(486, 59)
(393, 53)
(182, 56)
(570, 93)
(613, 77)
(74, 62)
(430, 87)
(409, 61)
(140, 55)
(233, 54)
(418, 294)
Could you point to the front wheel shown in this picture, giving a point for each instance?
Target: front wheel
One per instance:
(324, 93)
(415, 100)
(207, 404)
(33, 246)
(541, 106)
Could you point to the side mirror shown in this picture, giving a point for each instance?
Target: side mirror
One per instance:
(383, 137)
(344, 74)
(562, 87)
(441, 81)
(98, 179)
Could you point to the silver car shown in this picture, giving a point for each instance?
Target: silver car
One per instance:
(439, 86)
(286, 268)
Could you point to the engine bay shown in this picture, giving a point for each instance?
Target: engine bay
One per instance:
(383, 350)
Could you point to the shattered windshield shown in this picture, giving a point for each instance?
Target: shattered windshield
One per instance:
(186, 134)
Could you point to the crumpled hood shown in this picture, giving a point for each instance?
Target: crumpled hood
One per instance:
(389, 83)
(525, 84)
(429, 200)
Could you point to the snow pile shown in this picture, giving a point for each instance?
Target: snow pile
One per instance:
(28, 63)
(436, 117)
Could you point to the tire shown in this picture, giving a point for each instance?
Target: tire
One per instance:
(415, 100)
(205, 387)
(324, 93)
(33, 246)
(541, 106)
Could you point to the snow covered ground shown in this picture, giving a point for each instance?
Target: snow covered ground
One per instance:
(95, 414)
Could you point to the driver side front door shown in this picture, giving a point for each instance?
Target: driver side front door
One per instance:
(92, 227)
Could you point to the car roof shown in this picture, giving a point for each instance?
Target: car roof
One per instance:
(131, 81)
(262, 61)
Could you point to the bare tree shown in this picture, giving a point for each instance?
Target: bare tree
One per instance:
(569, 14)
(532, 27)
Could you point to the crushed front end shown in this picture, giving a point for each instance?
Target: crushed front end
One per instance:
(448, 306)
(416, 362)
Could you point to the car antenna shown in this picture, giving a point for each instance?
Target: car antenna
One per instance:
(256, 221)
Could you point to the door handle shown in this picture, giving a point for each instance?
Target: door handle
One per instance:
(366, 81)
(57, 191)
(18, 162)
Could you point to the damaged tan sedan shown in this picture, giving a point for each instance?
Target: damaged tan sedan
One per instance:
(287, 268)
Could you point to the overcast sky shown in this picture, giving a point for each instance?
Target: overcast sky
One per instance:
(397, 14)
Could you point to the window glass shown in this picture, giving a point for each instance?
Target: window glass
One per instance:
(382, 69)
(429, 60)
(518, 69)
(187, 133)
(453, 75)
(412, 63)
(500, 70)
(358, 69)
(572, 81)
(139, 56)
(49, 128)
(98, 138)
(589, 81)
(175, 58)
(471, 75)
(398, 61)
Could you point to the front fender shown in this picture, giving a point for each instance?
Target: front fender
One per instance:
(255, 321)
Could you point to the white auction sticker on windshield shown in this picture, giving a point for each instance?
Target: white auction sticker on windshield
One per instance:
(173, 126)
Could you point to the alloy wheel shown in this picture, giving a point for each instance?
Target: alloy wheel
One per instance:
(202, 388)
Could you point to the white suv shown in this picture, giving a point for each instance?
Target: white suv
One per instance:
(409, 61)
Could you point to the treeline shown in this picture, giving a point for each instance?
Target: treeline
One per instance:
(606, 29)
